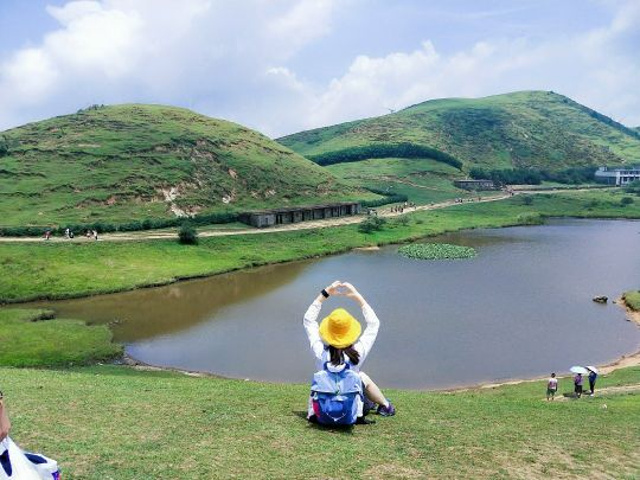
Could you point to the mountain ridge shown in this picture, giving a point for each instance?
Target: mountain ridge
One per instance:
(530, 129)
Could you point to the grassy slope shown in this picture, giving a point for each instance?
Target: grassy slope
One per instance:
(523, 129)
(114, 422)
(33, 338)
(632, 299)
(61, 269)
(423, 181)
(111, 164)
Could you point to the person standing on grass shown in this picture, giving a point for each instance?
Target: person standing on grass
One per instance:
(592, 382)
(337, 342)
(577, 382)
(552, 387)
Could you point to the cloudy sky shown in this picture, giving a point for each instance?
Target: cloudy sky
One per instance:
(281, 66)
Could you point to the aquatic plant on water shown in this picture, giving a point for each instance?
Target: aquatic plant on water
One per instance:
(436, 251)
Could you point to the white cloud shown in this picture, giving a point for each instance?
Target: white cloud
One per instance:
(204, 54)
(592, 67)
(234, 60)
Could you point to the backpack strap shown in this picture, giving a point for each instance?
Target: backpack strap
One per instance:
(347, 366)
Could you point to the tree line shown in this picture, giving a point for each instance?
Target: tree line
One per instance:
(534, 176)
(384, 150)
(108, 227)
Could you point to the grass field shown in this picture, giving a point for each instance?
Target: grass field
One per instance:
(114, 422)
(632, 299)
(422, 180)
(59, 270)
(35, 338)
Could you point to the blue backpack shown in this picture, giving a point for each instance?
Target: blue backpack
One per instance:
(334, 396)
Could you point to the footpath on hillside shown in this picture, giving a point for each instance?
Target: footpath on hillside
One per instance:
(325, 223)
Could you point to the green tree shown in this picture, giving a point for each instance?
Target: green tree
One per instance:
(187, 234)
(4, 147)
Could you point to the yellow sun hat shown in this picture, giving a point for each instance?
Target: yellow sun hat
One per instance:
(340, 329)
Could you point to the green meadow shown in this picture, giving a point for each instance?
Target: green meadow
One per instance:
(632, 299)
(60, 270)
(120, 423)
(31, 338)
(421, 180)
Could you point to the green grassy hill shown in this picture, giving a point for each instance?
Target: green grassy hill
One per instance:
(116, 422)
(522, 129)
(130, 162)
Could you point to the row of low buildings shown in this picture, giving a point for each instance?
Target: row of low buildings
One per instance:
(618, 176)
(283, 216)
(610, 176)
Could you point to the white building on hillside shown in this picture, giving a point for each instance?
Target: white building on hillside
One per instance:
(618, 176)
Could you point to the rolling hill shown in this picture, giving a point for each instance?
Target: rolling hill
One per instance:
(131, 162)
(523, 129)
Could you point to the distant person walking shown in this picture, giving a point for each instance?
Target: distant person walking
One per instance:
(592, 382)
(552, 387)
(577, 382)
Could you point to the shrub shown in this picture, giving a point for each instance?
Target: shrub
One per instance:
(626, 201)
(633, 187)
(187, 234)
(403, 220)
(530, 218)
(526, 200)
(4, 147)
(372, 224)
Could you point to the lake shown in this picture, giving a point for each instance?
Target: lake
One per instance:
(521, 308)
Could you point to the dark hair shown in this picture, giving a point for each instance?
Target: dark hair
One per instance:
(336, 355)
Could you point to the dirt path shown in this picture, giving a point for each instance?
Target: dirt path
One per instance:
(601, 392)
(330, 222)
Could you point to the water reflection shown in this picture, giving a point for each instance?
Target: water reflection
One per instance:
(153, 312)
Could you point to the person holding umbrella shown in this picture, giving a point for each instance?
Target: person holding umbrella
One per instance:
(593, 375)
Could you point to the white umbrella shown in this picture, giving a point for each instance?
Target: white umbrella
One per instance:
(592, 368)
(578, 369)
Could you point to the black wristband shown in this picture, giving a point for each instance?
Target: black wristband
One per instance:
(324, 293)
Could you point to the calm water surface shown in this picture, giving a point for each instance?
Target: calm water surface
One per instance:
(521, 308)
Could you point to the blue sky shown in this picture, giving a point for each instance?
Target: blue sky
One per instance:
(281, 66)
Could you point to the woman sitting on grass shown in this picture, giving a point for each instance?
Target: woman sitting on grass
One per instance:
(336, 341)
